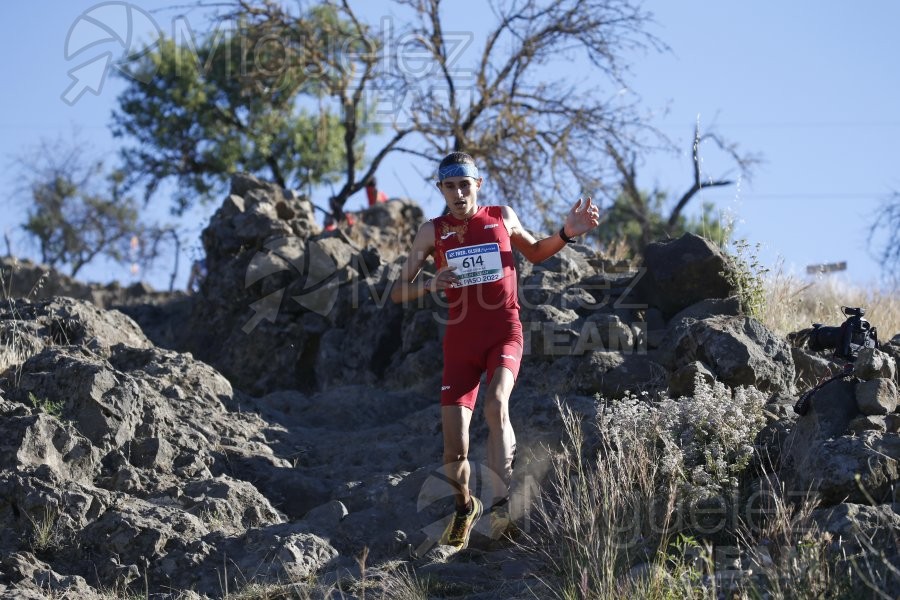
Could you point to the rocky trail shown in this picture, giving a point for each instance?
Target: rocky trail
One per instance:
(281, 427)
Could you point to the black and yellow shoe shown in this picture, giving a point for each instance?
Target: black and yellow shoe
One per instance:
(461, 525)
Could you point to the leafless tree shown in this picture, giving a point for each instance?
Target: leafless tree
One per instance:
(542, 139)
(76, 208)
(638, 206)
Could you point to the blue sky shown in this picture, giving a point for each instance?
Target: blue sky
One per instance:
(813, 87)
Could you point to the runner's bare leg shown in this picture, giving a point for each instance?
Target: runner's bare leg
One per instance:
(455, 422)
(501, 444)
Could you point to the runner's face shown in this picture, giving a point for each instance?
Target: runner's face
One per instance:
(461, 195)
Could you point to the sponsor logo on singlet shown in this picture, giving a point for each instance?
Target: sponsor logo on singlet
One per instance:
(460, 230)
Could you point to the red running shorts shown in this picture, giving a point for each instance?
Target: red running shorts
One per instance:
(480, 343)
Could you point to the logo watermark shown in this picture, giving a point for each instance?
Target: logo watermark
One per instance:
(301, 269)
(437, 492)
(122, 32)
(271, 56)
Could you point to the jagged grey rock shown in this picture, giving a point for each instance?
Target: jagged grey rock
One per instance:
(851, 468)
(865, 531)
(605, 331)
(682, 272)
(823, 455)
(876, 396)
(613, 374)
(892, 423)
(39, 440)
(873, 363)
(683, 381)
(811, 368)
(738, 350)
(710, 307)
(62, 321)
(867, 423)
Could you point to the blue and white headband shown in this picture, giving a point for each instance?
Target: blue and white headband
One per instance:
(458, 170)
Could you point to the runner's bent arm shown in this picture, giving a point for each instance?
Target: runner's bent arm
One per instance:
(583, 217)
(409, 285)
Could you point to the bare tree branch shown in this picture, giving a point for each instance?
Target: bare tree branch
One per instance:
(527, 130)
(887, 221)
(745, 163)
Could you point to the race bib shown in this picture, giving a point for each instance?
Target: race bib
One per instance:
(476, 264)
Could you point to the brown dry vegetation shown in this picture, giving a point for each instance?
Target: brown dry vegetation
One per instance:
(793, 303)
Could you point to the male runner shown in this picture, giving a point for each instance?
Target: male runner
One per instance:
(472, 247)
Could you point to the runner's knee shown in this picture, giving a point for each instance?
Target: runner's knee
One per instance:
(496, 412)
(452, 456)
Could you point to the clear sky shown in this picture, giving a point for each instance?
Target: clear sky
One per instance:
(811, 86)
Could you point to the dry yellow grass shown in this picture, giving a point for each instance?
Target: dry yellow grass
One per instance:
(794, 303)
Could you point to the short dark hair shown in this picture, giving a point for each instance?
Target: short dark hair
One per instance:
(370, 182)
(456, 158)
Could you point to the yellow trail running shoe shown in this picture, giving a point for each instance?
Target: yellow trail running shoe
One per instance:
(501, 524)
(461, 526)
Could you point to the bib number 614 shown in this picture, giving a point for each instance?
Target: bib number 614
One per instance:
(472, 261)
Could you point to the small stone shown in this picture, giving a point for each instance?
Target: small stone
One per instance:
(876, 396)
(867, 423)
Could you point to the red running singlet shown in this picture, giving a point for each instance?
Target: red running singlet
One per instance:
(483, 331)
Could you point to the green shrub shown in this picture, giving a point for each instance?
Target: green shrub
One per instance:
(53, 408)
(748, 276)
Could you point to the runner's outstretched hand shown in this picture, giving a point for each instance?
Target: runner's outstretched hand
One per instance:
(583, 217)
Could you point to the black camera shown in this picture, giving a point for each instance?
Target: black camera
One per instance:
(847, 339)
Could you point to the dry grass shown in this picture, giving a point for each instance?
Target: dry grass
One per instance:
(601, 538)
(794, 303)
(789, 556)
(16, 346)
(603, 515)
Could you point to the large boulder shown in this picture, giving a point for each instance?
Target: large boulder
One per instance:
(27, 280)
(737, 350)
(860, 529)
(28, 327)
(256, 247)
(23, 278)
(849, 468)
(830, 454)
(613, 374)
(277, 285)
(679, 273)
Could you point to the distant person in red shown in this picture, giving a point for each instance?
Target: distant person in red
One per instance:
(329, 223)
(373, 193)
